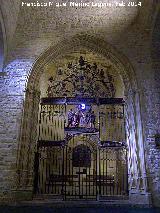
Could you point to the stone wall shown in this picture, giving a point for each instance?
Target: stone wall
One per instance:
(153, 121)
(12, 84)
(29, 44)
(9, 11)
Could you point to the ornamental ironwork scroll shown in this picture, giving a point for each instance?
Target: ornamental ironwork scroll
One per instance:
(81, 79)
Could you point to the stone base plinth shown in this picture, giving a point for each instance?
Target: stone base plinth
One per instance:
(138, 198)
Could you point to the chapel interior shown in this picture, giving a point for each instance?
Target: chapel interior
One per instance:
(80, 101)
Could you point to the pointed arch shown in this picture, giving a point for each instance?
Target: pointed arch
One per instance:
(136, 166)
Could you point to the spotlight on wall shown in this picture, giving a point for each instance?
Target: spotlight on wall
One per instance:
(83, 106)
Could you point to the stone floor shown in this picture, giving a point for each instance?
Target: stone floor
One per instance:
(51, 209)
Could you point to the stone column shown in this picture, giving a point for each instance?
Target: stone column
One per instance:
(28, 139)
(137, 170)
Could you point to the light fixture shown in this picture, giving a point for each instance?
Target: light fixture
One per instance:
(83, 106)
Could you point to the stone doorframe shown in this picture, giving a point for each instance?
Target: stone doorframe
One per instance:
(137, 178)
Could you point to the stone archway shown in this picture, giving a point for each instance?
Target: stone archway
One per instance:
(136, 163)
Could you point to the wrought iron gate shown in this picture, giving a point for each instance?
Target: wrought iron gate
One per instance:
(78, 162)
(81, 167)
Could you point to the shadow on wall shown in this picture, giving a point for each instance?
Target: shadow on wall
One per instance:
(156, 49)
(1, 49)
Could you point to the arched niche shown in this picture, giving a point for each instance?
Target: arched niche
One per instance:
(138, 192)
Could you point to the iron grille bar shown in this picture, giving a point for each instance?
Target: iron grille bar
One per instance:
(43, 143)
(74, 101)
(112, 144)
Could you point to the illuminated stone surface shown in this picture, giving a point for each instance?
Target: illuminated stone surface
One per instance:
(29, 32)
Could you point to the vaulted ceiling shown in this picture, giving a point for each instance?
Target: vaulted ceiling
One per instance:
(30, 27)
